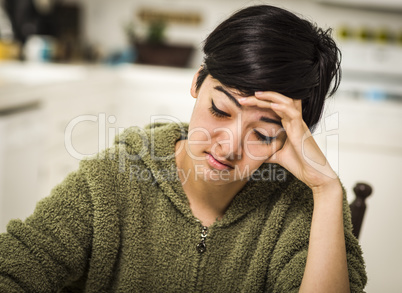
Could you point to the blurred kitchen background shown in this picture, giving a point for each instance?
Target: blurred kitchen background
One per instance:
(75, 73)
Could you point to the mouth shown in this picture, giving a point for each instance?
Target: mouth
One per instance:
(218, 164)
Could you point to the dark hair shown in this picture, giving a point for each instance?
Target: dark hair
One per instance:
(265, 48)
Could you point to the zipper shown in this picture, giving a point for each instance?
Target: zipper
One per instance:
(202, 247)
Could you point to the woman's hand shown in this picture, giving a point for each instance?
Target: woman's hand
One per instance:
(300, 154)
(326, 266)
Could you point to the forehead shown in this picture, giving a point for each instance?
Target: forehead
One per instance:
(214, 83)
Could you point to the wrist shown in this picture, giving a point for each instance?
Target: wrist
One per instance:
(332, 187)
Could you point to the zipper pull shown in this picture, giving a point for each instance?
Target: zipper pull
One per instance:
(201, 247)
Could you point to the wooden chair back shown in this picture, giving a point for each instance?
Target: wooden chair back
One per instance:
(358, 206)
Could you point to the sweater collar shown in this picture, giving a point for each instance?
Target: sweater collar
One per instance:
(156, 147)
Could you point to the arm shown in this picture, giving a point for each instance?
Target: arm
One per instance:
(288, 264)
(52, 246)
(326, 267)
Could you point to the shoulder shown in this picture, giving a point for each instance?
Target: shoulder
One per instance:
(135, 145)
(139, 140)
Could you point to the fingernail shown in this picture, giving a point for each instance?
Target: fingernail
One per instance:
(258, 93)
(241, 100)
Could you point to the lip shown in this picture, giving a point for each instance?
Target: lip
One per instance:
(218, 165)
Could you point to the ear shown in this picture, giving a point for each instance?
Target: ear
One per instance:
(193, 91)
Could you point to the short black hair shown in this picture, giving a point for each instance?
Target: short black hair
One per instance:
(266, 48)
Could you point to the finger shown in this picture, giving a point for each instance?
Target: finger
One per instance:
(254, 102)
(278, 98)
(274, 97)
(283, 110)
(263, 104)
(288, 112)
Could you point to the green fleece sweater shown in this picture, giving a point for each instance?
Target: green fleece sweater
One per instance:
(122, 223)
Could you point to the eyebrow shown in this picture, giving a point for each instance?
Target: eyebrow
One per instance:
(234, 100)
(229, 95)
(269, 120)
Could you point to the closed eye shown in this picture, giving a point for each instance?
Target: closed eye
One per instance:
(263, 138)
(216, 112)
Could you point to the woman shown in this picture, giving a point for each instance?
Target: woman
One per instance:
(239, 200)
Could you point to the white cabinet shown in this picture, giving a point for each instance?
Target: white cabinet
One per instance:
(73, 112)
(150, 93)
(32, 164)
(21, 149)
(81, 113)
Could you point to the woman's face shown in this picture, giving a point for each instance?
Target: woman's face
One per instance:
(227, 142)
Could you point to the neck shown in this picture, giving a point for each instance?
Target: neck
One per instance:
(208, 200)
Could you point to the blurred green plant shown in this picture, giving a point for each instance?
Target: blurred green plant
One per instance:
(155, 32)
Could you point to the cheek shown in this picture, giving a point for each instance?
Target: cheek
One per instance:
(249, 164)
(199, 135)
(256, 151)
(199, 140)
(259, 152)
(198, 124)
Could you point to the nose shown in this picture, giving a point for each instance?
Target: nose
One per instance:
(229, 142)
